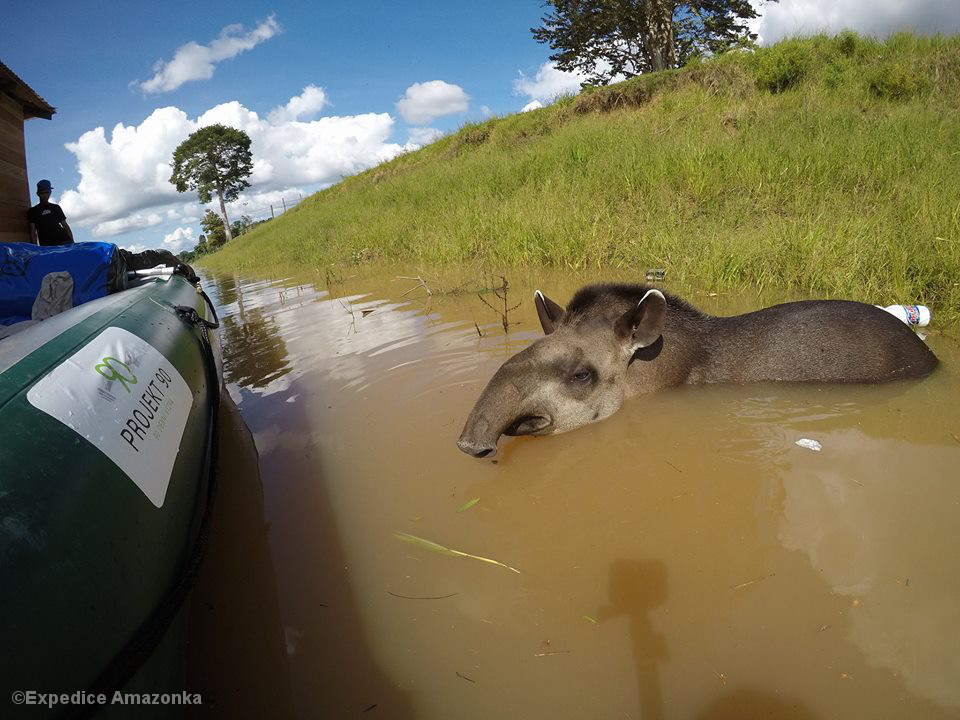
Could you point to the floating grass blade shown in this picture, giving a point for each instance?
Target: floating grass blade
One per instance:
(443, 550)
(468, 504)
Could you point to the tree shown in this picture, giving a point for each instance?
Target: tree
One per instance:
(241, 226)
(214, 229)
(607, 38)
(214, 159)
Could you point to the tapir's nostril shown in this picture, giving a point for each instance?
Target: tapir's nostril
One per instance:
(477, 451)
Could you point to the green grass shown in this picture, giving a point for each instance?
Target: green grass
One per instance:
(827, 164)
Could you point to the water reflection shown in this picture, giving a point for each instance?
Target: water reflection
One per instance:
(254, 352)
(870, 533)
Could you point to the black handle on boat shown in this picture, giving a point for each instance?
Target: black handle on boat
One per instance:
(216, 320)
(191, 315)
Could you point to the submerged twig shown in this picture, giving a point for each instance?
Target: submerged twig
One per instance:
(353, 318)
(443, 550)
(486, 303)
(430, 597)
(421, 283)
(502, 294)
(751, 582)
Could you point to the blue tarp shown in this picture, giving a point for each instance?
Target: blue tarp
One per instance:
(23, 267)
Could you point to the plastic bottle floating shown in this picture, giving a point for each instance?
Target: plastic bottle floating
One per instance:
(912, 315)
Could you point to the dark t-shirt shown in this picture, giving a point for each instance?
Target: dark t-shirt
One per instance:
(46, 217)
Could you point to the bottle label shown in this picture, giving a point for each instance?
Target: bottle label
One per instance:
(913, 314)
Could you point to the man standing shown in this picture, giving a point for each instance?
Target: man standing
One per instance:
(48, 224)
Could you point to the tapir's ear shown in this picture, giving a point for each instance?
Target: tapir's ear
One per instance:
(642, 325)
(549, 312)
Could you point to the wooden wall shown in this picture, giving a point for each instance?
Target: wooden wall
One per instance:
(14, 189)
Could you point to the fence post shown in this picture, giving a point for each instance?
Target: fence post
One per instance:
(271, 212)
(284, 204)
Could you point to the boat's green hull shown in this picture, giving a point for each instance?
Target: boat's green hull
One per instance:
(88, 550)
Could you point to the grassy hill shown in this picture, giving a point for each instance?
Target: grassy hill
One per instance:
(828, 164)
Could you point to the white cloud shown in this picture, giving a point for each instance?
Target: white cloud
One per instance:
(485, 111)
(180, 239)
(548, 84)
(532, 105)
(135, 247)
(423, 136)
(137, 221)
(868, 17)
(311, 101)
(422, 102)
(197, 62)
(124, 176)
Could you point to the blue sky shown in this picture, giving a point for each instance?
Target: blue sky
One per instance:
(323, 88)
(83, 57)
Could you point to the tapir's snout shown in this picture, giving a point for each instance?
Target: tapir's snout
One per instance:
(479, 436)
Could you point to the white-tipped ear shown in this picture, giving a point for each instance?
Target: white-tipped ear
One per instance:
(651, 291)
(642, 325)
(548, 311)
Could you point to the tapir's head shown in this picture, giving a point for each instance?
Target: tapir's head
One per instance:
(575, 375)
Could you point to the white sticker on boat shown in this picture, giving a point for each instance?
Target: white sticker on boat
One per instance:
(125, 397)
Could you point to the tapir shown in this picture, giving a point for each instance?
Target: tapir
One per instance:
(614, 341)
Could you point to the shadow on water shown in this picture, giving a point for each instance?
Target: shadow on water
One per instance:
(276, 635)
(746, 704)
(332, 671)
(236, 657)
(636, 588)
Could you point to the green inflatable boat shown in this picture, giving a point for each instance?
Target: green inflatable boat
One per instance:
(108, 414)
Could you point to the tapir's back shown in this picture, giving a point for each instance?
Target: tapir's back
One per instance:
(816, 341)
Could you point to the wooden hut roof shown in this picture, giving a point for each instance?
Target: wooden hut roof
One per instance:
(33, 105)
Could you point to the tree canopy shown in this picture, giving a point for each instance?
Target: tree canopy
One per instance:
(214, 159)
(604, 39)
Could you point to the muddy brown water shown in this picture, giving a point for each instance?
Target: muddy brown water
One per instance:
(682, 559)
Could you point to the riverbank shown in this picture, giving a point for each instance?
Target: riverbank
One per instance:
(826, 165)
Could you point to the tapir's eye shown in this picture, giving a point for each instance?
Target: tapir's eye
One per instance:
(582, 376)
